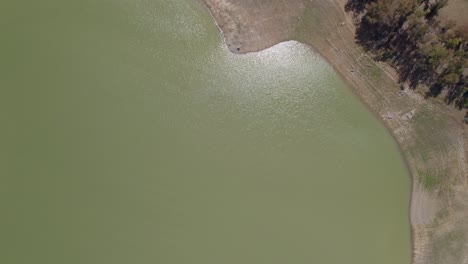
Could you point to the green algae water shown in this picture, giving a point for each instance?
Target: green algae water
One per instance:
(131, 135)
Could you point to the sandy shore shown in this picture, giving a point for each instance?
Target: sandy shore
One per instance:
(431, 135)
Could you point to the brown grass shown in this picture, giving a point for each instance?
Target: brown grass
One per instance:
(457, 10)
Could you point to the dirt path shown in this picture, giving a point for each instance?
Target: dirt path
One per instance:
(432, 136)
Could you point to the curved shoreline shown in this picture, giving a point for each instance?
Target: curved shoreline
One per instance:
(324, 26)
(374, 114)
(411, 177)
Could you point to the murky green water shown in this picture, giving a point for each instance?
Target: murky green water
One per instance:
(130, 135)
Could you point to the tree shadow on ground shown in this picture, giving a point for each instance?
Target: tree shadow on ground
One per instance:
(356, 6)
(395, 44)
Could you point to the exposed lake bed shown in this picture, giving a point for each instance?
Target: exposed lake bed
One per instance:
(429, 133)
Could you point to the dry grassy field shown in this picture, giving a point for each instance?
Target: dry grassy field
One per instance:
(457, 10)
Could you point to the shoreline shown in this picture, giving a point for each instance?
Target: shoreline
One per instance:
(369, 109)
(411, 177)
(326, 28)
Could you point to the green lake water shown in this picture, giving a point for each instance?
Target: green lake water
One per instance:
(129, 134)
